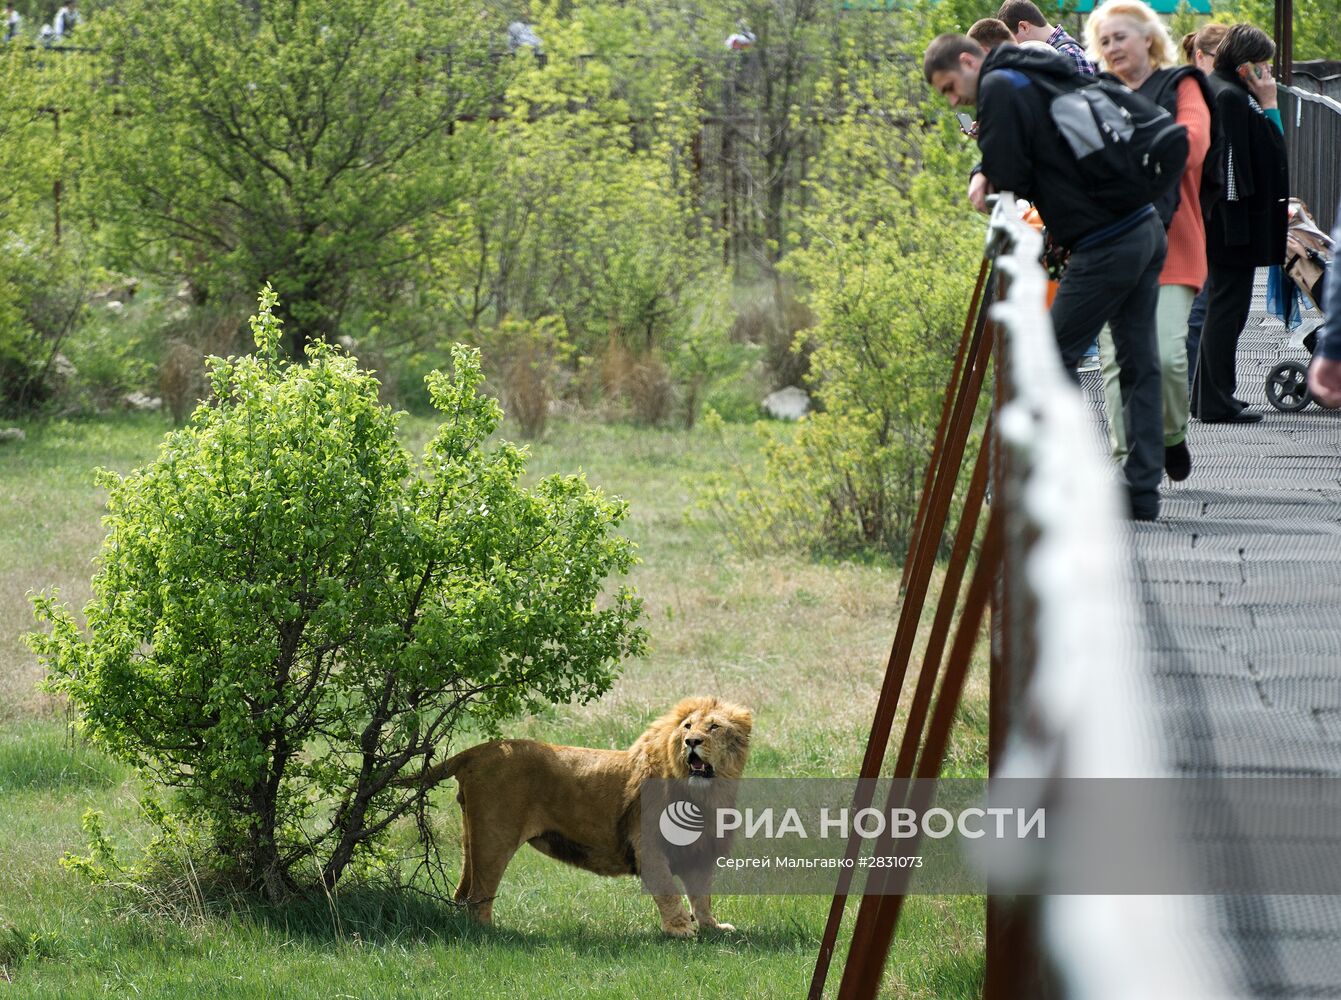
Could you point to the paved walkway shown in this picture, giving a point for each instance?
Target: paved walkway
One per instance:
(1241, 580)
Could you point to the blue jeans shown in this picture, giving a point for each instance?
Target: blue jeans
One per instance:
(1196, 319)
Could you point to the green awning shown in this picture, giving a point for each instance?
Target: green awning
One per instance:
(1159, 6)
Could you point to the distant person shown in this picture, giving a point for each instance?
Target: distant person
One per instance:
(1324, 374)
(522, 36)
(1117, 252)
(1026, 23)
(741, 38)
(12, 22)
(1132, 43)
(66, 18)
(989, 32)
(1246, 228)
(1199, 49)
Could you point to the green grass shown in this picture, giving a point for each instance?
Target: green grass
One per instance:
(803, 644)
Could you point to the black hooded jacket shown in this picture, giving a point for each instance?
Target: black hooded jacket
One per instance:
(1022, 150)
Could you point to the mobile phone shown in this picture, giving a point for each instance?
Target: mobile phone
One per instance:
(965, 122)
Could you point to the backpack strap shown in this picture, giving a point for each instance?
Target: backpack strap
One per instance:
(1162, 87)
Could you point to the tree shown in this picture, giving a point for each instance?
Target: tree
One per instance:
(1317, 23)
(889, 267)
(583, 212)
(303, 142)
(43, 278)
(288, 610)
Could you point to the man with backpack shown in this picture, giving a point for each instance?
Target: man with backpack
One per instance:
(1115, 236)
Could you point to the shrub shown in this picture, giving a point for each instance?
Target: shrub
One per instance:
(649, 390)
(42, 308)
(193, 333)
(526, 356)
(288, 609)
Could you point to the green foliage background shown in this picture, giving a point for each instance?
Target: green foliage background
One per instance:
(404, 181)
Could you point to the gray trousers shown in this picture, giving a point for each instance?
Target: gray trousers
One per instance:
(1117, 283)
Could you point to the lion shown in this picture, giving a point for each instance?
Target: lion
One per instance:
(584, 807)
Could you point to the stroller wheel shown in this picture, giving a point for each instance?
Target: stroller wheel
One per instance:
(1287, 387)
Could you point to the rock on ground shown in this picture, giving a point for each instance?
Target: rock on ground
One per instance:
(790, 403)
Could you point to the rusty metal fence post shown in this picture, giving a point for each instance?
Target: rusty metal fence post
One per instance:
(952, 437)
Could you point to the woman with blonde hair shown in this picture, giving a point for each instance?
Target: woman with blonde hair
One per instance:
(1129, 41)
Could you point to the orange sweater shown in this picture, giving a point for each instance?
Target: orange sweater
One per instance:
(1186, 260)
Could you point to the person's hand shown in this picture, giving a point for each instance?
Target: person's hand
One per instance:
(1324, 382)
(1260, 82)
(978, 190)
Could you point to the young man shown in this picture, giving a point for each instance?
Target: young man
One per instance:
(1116, 254)
(989, 33)
(1027, 24)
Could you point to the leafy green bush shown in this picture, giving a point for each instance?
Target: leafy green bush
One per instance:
(288, 609)
(112, 356)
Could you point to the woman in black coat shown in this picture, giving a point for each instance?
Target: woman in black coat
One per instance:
(1245, 226)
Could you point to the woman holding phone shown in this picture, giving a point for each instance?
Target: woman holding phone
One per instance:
(1246, 227)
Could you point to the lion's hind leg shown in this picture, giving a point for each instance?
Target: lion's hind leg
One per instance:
(488, 844)
(463, 886)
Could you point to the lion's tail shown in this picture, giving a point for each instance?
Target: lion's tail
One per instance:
(430, 776)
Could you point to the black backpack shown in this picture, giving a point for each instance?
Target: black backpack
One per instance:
(1130, 150)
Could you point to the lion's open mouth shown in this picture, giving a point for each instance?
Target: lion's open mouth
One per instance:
(698, 767)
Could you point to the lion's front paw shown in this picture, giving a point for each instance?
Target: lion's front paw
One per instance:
(681, 926)
(722, 928)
